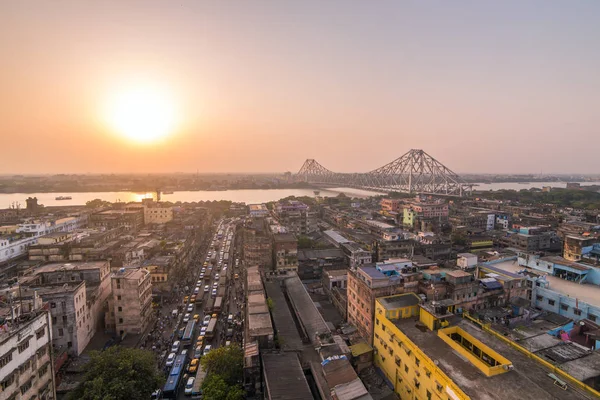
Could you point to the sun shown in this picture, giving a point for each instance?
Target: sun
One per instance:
(142, 114)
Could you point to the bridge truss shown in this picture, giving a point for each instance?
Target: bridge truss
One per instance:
(414, 172)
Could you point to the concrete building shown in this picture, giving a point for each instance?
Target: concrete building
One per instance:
(312, 263)
(538, 241)
(355, 254)
(391, 205)
(575, 247)
(466, 260)
(72, 325)
(441, 356)
(367, 283)
(131, 219)
(425, 215)
(284, 377)
(258, 245)
(130, 306)
(296, 216)
(26, 365)
(157, 213)
(258, 210)
(285, 252)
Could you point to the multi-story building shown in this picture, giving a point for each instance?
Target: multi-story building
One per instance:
(157, 213)
(131, 219)
(258, 210)
(441, 356)
(285, 252)
(130, 306)
(575, 247)
(312, 263)
(26, 369)
(542, 241)
(393, 205)
(296, 216)
(355, 254)
(258, 245)
(367, 283)
(425, 215)
(72, 325)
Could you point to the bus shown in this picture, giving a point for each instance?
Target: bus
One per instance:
(208, 306)
(218, 304)
(188, 334)
(171, 387)
(210, 330)
(197, 389)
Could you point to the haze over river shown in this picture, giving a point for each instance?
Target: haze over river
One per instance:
(247, 196)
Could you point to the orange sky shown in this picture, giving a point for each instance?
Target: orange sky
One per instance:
(263, 85)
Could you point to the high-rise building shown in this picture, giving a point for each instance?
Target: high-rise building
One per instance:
(130, 306)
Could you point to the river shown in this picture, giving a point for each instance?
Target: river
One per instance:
(248, 196)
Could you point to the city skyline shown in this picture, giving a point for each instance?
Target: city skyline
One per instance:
(261, 86)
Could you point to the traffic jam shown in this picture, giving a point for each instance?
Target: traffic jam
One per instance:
(208, 318)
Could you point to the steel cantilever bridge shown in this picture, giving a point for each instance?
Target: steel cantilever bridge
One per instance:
(414, 172)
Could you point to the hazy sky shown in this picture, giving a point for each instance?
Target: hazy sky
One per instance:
(483, 86)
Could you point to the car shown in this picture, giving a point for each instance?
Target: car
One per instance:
(228, 343)
(196, 290)
(184, 352)
(214, 293)
(186, 318)
(224, 268)
(203, 331)
(185, 299)
(189, 386)
(217, 276)
(190, 308)
(230, 318)
(196, 317)
(203, 270)
(236, 276)
(156, 395)
(175, 347)
(206, 288)
(180, 332)
(193, 366)
(207, 349)
(229, 333)
(215, 315)
(193, 299)
(199, 280)
(215, 285)
(206, 320)
(198, 351)
(171, 359)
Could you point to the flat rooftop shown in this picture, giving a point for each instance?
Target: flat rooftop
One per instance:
(528, 380)
(310, 317)
(70, 266)
(586, 292)
(396, 301)
(284, 377)
(335, 236)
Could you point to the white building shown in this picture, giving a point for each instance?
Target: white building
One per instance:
(258, 210)
(26, 370)
(466, 260)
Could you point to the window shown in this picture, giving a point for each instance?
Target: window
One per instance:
(120, 309)
(60, 332)
(417, 361)
(64, 319)
(592, 317)
(577, 311)
(119, 297)
(42, 371)
(5, 359)
(551, 302)
(539, 298)
(69, 344)
(9, 380)
(40, 333)
(26, 386)
(23, 345)
(53, 305)
(417, 384)
(120, 320)
(406, 368)
(564, 307)
(397, 361)
(377, 321)
(428, 395)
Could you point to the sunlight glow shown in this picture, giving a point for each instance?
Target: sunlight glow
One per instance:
(142, 114)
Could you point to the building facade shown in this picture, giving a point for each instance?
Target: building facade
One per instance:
(130, 306)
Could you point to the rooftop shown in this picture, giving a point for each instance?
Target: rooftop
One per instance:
(335, 236)
(310, 317)
(284, 377)
(87, 265)
(397, 301)
(565, 262)
(527, 380)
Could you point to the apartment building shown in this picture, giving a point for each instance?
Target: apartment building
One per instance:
(366, 283)
(26, 369)
(428, 353)
(258, 245)
(296, 216)
(130, 306)
(285, 252)
(393, 205)
(131, 219)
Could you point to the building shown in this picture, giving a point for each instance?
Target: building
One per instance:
(355, 254)
(530, 242)
(157, 213)
(312, 263)
(425, 215)
(575, 247)
(367, 283)
(296, 216)
(26, 365)
(72, 325)
(284, 377)
(466, 260)
(391, 205)
(258, 245)
(130, 306)
(258, 210)
(426, 352)
(285, 252)
(131, 219)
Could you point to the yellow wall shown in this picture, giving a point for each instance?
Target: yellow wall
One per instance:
(406, 366)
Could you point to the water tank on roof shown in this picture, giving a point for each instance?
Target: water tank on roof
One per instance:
(121, 270)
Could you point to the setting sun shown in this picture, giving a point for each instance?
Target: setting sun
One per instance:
(143, 114)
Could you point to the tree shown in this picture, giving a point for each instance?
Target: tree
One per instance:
(119, 373)
(304, 242)
(226, 362)
(214, 387)
(97, 203)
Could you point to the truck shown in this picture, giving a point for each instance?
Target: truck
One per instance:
(210, 330)
(218, 304)
(197, 389)
(208, 306)
(221, 291)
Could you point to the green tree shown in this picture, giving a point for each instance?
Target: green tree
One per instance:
(226, 362)
(97, 203)
(214, 387)
(119, 373)
(304, 242)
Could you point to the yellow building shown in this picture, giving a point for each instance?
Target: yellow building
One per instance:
(427, 353)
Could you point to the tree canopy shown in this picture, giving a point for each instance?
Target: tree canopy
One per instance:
(119, 373)
(97, 203)
(225, 372)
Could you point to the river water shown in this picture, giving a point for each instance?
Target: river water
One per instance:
(247, 196)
